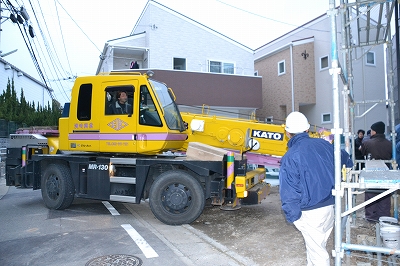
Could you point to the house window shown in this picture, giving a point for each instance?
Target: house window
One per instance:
(180, 63)
(221, 67)
(370, 59)
(323, 63)
(326, 118)
(281, 68)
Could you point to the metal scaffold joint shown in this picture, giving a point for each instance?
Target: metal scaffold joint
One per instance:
(339, 253)
(336, 70)
(337, 131)
(333, 12)
(338, 192)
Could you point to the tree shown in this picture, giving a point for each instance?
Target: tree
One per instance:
(24, 113)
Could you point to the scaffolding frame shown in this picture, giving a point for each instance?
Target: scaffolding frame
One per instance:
(372, 20)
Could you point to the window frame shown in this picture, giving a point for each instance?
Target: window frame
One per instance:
(322, 118)
(374, 58)
(112, 92)
(222, 66)
(175, 65)
(284, 68)
(320, 63)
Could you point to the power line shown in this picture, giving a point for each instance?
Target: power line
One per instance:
(36, 63)
(271, 19)
(62, 36)
(23, 18)
(79, 27)
(39, 57)
(48, 47)
(52, 56)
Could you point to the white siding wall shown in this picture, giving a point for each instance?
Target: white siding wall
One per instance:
(107, 63)
(369, 86)
(138, 42)
(33, 91)
(173, 36)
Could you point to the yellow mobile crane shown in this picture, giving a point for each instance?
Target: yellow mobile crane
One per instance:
(98, 153)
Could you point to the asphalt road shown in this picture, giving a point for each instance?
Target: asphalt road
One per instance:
(94, 232)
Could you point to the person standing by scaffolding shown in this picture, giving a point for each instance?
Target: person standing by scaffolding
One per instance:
(378, 148)
(367, 137)
(306, 180)
(357, 147)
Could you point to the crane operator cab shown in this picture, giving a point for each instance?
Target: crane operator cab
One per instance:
(123, 112)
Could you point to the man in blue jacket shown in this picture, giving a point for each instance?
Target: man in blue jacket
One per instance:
(307, 177)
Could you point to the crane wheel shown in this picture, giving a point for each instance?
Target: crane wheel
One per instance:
(57, 187)
(176, 198)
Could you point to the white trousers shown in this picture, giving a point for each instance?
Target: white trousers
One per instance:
(316, 226)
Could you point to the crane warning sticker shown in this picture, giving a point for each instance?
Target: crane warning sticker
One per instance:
(266, 135)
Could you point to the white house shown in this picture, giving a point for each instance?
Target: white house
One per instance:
(164, 39)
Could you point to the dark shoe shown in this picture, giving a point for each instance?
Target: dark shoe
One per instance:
(371, 220)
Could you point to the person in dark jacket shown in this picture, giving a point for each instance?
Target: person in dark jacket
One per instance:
(378, 148)
(357, 147)
(367, 137)
(307, 177)
(121, 106)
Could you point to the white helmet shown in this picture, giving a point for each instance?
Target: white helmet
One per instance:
(296, 122)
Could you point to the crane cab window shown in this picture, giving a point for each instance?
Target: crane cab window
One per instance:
(119, 100)
(84, 112)
(148, 114)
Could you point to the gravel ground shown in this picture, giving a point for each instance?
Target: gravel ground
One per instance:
(260, 232)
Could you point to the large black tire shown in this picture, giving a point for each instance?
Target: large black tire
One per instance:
(57, 187)
(176, 198)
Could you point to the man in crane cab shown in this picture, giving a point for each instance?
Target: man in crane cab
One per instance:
(121, 106)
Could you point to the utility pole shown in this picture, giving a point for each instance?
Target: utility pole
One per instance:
(1, 52)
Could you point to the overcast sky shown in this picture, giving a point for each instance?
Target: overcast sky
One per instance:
(76, 31)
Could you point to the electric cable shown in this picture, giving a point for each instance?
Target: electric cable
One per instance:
(271, 19)
(62, 36)
(36, 63)
(54, 64)
(79, 26)
(13, 10)
(48, 47)
(46, 63)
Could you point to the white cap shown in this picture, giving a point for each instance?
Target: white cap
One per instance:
(296, 122)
